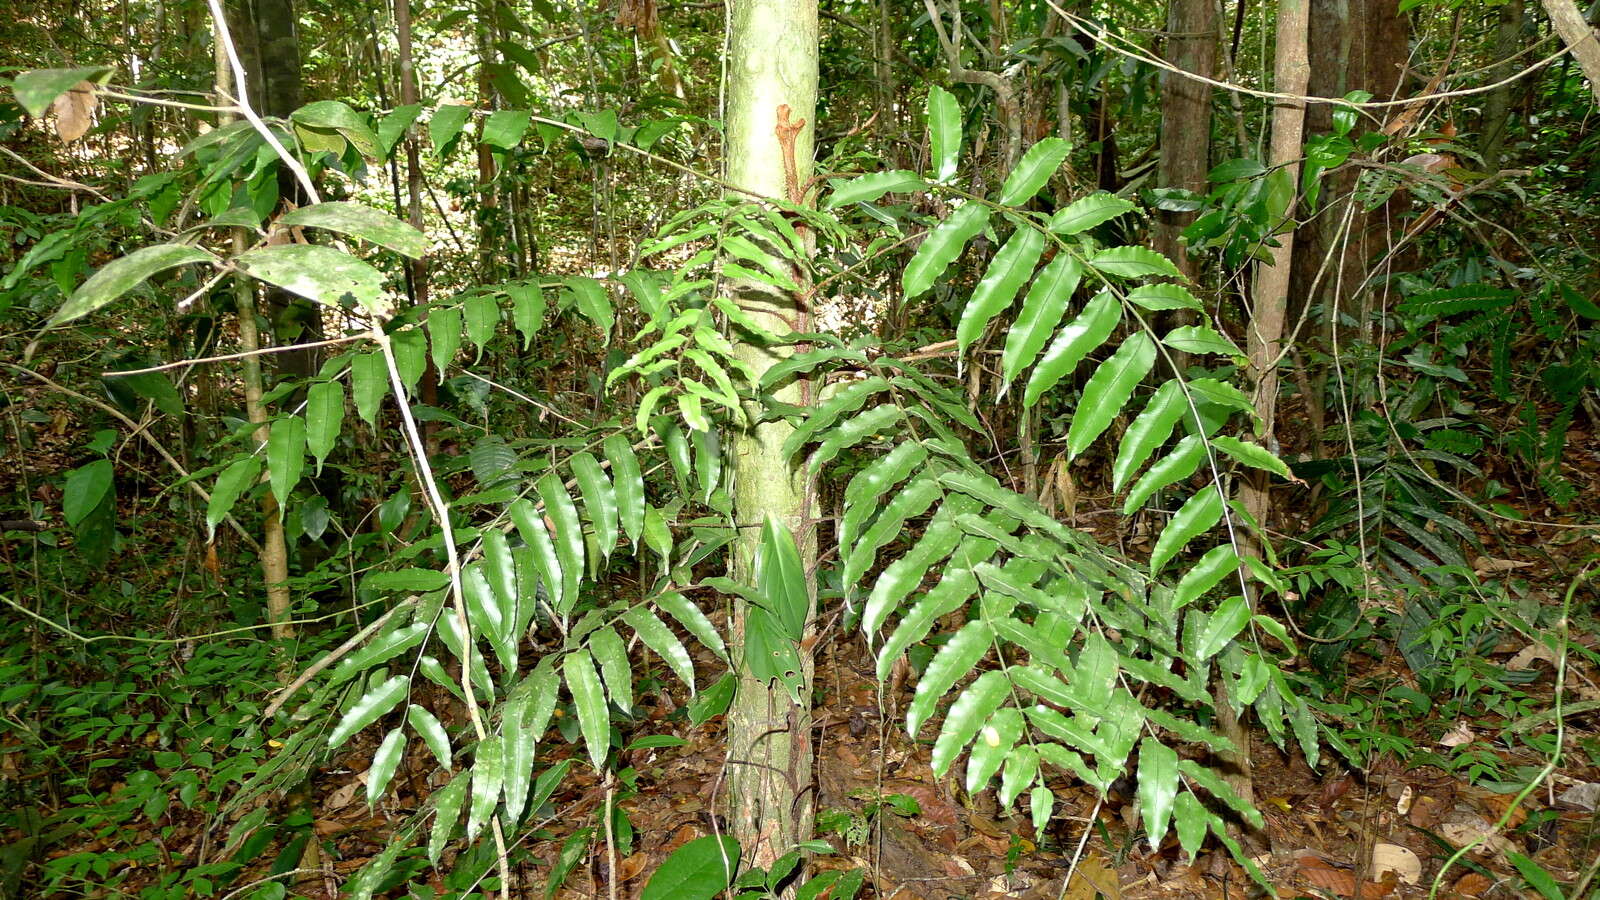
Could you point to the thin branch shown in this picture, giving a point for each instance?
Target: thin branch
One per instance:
(287, 348)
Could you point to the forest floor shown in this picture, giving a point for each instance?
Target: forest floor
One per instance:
(1334, 831)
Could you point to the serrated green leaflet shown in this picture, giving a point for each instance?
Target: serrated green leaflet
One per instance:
(1158, 787)
(996, 741)
(1084, 333)
(1033, 170)
(1182, 462)
(953, 661)
(384, 762)
(944, 132)
(1148, 431)
(870, 187)
(1108, 391)
(372, 705)
(589, 701)
(941, 247)
(1217, 564)
(1132, 262)
(999, 285)
(1197, 515)
(1227, 620)
(1087, 212)
(966, 716)
(1042, 310)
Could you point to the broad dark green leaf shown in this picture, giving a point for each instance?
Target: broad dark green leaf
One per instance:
(120, 276)
(234, 480)
(781, 577)
(445, 125)
(360, 221)
(36, 90)
(505, 127)
(286, 457)
(699, 870)
(86, 486)
(337, 116)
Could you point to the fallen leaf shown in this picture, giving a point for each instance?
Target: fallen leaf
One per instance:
(1472, 884)
(1457, 736)
(1394, 858)
(1584, 795)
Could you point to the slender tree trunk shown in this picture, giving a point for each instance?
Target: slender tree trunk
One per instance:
(264, 33)
(1185, 118)
(428, 387)
(1291, 71)
(1497, 106)
(1579, 37)
(274, 551)
(772, 83)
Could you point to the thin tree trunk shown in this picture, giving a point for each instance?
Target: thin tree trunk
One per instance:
(274, 551)
(1580, 38)
(1497, 106)
(772, 83)
(1185, 119)
(1291, 72)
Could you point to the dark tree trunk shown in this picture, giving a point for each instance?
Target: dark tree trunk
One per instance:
(1185, 118)
(1355, 45)
(269, 46)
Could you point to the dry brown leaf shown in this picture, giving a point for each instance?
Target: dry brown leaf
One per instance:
(1093, 878)
(75, 111)
(1472, 884)
(1458, 736)
(631, 866)
(1397, 859)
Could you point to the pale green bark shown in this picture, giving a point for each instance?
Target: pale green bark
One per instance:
(772, 63)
